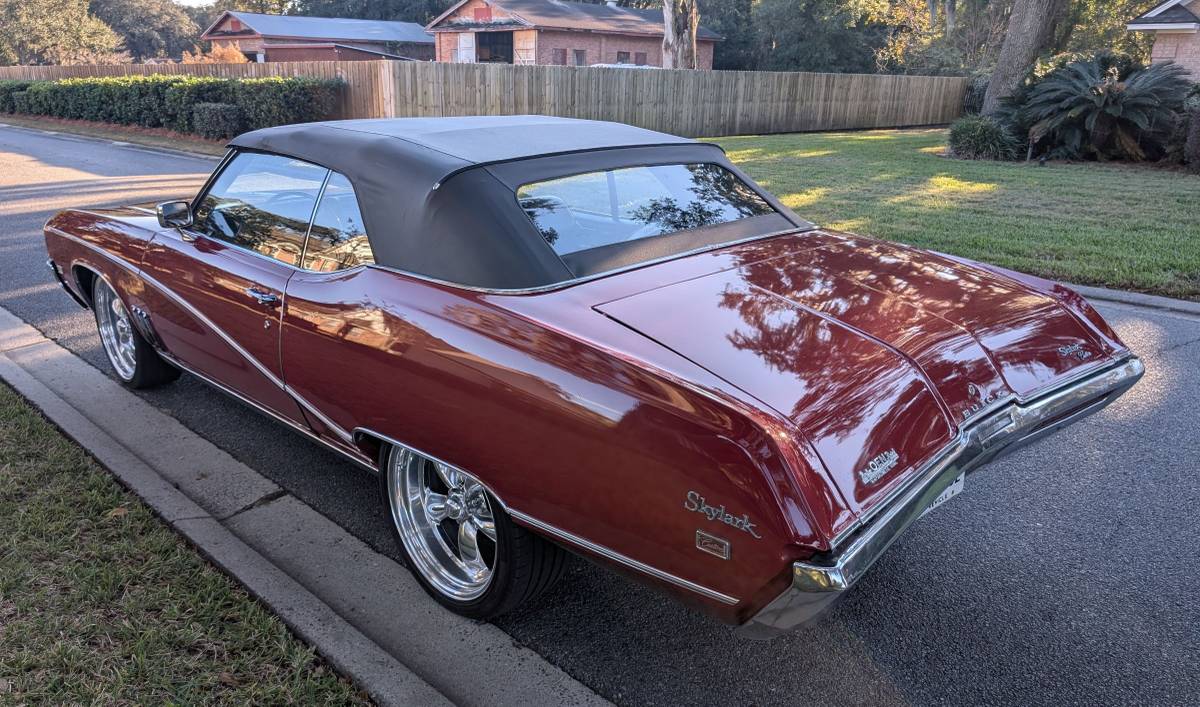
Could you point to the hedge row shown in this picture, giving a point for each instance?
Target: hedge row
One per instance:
(171, 101)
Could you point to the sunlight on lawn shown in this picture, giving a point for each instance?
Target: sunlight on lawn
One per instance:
(804, 199)
(942, 185)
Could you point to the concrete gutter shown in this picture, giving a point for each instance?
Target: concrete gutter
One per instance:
(360, 610)
(1138, 299)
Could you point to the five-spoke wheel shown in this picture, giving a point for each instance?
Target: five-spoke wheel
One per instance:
(458, 541)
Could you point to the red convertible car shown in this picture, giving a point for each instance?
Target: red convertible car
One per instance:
(546, 333)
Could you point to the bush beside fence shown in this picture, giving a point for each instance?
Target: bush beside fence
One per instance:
(171, 101)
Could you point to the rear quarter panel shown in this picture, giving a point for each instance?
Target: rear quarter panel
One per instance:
(567, 432)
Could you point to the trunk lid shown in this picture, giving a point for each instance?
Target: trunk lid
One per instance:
(877, 352)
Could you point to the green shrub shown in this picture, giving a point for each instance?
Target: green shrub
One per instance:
(20, 101)
(217, 120)
(170, 101)
(1086, 109)
(7, 88)
(980, 137)
(276, 100)
(184, 96)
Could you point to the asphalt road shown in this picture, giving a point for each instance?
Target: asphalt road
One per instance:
(1065, 574)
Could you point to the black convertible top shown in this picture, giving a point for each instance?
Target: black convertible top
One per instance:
(438, 195)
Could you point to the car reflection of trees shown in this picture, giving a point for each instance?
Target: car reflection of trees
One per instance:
(852, 391)
(271, 234)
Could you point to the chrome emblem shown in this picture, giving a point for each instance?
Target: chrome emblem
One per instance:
(879, 466)
(1075, 351)
(706, 542)
(695, 502)
(982, 400)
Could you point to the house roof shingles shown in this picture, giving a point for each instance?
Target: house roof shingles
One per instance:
(563, 14)
(1175, 14)
(329, 28)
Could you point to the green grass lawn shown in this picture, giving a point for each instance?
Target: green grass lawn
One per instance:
(1127, 227)
(101, 603)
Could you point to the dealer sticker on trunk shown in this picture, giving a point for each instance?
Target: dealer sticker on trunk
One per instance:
(951, 491)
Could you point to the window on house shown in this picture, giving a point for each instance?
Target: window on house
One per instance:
(483, 14)
(580, 57)
(639, 58)
(622, 57)
(560, 57)
(494, 47)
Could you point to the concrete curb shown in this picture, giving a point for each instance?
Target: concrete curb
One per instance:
(383, 677)
(119, 143)
(1138, 299)
(325, 584)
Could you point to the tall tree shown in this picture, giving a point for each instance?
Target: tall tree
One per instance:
(1031, 31)
(732, 19)
(681, 18)
(150, 28)
(55, 32)
(832, 36)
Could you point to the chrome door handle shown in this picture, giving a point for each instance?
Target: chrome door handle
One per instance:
(262, 297)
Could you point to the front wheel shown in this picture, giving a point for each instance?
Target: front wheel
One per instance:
(458, 541)
(133, 359)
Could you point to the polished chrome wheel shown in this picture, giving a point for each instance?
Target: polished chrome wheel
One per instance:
(116, 331)
(444, 518)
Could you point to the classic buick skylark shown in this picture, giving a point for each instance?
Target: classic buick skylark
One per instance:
(548, 334)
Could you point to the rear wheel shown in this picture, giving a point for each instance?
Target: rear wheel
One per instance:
(458, 541)
(135, 362)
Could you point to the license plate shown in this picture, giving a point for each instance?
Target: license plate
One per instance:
(951, 491)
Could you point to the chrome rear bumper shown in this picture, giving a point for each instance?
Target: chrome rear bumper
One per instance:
(816, 585)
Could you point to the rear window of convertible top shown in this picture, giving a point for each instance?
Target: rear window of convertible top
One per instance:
(596, 209)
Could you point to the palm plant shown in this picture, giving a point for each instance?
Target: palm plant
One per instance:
(1099, 108)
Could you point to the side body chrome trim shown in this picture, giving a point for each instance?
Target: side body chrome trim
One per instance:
(614, 556)
(817, 583)
(568, 537)
(266, 411)
(191, 309)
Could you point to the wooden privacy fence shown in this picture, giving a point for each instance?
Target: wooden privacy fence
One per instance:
(690, 103)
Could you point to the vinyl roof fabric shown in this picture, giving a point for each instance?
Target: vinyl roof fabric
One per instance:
(333, 28)
(599, 17)
(438, 197)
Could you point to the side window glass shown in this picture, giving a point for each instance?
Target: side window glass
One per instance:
(338, 239)
(262, 202)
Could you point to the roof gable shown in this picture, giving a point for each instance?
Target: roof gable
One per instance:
(328, 28)
(564, 14)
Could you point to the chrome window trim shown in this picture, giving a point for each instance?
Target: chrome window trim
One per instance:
(566, 536)
(541, 289)
(204, 191)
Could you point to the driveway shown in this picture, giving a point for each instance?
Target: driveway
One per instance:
(1065, 574)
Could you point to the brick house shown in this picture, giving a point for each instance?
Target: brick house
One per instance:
(555, 32)
(294, 38)
(1176, 28)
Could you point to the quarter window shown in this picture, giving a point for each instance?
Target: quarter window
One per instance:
(622, 57)
(263, 203)
(338, 239)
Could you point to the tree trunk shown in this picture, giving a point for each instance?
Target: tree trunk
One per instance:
(1030, 31)
(951, 12)
(933, 13)
(681, 18)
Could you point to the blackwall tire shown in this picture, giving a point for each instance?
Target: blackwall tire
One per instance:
(457, 540)
(133, 359)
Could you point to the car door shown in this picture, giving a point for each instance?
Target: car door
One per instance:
(223, 280)
(333, 330)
